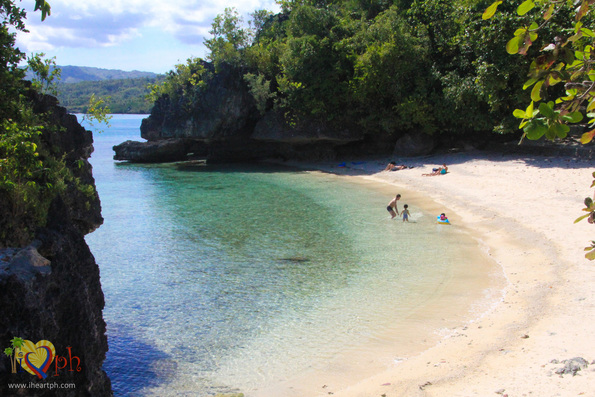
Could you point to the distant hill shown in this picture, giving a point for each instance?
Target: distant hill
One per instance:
(121, 95)
(123, 91)
(76, 74)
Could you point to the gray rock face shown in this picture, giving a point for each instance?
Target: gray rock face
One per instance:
(223, 109)
(155, 151)
(414, 145)
(24, 263)
(273, 128)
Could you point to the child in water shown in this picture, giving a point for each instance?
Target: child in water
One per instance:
(405, 213)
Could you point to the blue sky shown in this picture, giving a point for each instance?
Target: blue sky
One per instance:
(146, 35)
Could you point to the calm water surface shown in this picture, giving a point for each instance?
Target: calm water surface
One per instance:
(224, 277)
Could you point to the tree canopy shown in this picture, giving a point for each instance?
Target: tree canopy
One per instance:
(386, 66)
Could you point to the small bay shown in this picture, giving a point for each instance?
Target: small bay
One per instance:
(221, 278)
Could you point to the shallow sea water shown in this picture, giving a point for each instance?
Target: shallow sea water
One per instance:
(225, 278)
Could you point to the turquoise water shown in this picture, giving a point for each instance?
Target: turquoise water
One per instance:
(231, 277)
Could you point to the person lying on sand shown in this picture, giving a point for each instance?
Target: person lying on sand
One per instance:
(392, 166)
(438, 171)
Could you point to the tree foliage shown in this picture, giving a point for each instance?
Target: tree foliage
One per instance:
(45, 74)
(387, 67)
(31, 174)
(561, 75)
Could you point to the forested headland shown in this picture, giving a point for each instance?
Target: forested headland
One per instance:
(387, 67)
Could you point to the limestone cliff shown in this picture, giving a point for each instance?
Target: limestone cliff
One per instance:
(221, 123)
(50, 282)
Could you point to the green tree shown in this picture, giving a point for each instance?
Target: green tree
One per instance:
(229, 39)
(46, 74)
(561, 77)
(97, 112)
(31, 174)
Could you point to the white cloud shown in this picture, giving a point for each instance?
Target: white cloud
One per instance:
(76, 23)
(127, 34)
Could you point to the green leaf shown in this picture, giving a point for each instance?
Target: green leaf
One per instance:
(535, 130)
(512, 47)
(519, 114)
(588, 202)
(591, 255)
(553, 80)
(588, 32)
(560, 130)
(529, 83)
(546, 110)
(535, 92)
(573, 117)
(529, 111)
(491, 10)
(520, 32)
(525, 7)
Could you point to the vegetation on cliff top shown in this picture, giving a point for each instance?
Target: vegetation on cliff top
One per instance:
(388, 67)
(32, 172)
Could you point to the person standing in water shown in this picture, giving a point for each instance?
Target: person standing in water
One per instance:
(393, 203)
(405, 213)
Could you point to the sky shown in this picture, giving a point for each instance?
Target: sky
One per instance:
(145, 35)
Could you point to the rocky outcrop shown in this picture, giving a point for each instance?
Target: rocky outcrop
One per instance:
(223, 110)
(224, 125)
(153, 151)
(50, 286)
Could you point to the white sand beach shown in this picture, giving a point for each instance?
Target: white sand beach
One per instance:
(522, 207)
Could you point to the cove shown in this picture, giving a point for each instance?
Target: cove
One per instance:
(253, 278)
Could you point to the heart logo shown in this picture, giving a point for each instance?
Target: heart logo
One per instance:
(36, 358)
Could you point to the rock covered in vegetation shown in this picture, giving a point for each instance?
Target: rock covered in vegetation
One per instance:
(222, 123)
(50, 282)
(223, 110)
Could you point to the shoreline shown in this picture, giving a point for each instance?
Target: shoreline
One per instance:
(522, 208)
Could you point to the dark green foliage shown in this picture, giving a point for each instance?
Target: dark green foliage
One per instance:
(386, 67)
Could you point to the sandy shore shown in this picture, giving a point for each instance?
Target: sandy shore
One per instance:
(522, 208)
